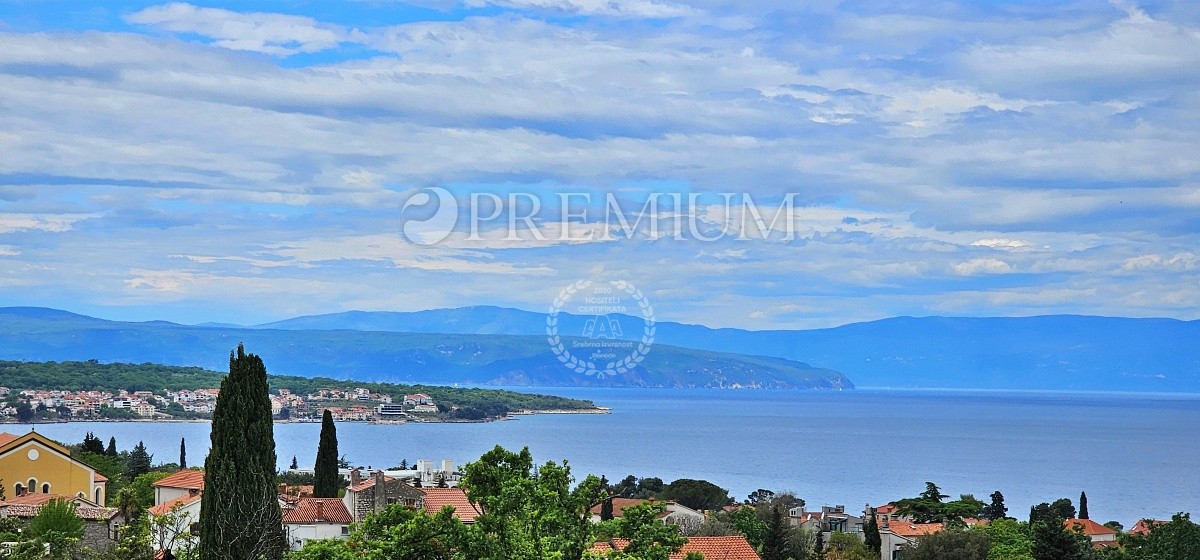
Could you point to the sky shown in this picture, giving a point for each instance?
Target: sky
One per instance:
(250, 161)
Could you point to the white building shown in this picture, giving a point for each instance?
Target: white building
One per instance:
(316, 518)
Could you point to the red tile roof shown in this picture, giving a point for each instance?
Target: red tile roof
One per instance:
(713, 548)
(366, 484)
(6, 437)
(184, 479)
(97, 477)
(30, 505)
(886, 509)
(166, 507)
(34, 499)
(319, 510)
(1144, 526)
(619, 505)
(908, 530)
(437, 498)
(1088, 527)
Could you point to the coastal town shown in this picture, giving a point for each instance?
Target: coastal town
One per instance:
(38, 471)
(346, 405)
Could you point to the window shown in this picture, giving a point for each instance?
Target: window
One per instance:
(345, 530)
(98, 502)
(18, 489)
(32, 485)
(45, 487)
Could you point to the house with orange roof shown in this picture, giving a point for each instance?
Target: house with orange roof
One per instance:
(713, 548)
(896, 534)
(1101, 536)
(33, 463)
(456, 498)
(100, 524)
(186, 482)
(675, 513)
(316, 518)
(1144, 526)
(365, 497)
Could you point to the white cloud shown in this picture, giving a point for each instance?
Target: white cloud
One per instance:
(269, 33)
(976, 267)
(649, 9)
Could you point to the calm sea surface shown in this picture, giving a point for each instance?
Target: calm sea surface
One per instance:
(1136, 455)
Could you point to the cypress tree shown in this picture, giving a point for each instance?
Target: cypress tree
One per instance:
(182, 453)
(294, 465)
(325, 469)
(239, 514)
(777, 538)
(139, 461)
(871, 532)
(606, 510)
(112, 447)
(1083, 512)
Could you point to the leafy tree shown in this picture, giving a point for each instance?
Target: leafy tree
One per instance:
(1115, 525)
(745, 520)
(240, 515)
(182, 453)
(776, 543)
(1178, 539)
(950, 545)
(326, 468)
(111, 450)
(1, 491)
(25, 413)
(57, 525)
(844, 546)
(871, 532)
(92, 444)
(1052, 541)
(997, 509)
(925, 508)
(530, 515)
(1051, 513)
(1010, 540)
(1083, 512)
(649, 538)
(606, 510)
(819, 546)
(139, 461)
(143, 488)
(760, 496)
(696, 494)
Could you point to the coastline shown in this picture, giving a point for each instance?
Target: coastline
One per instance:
(509, 416)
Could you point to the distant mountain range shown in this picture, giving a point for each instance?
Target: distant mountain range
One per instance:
(1066, 352)
(507, 346)
(39, 334)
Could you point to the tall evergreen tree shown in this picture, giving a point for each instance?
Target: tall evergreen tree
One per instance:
(819, 545)
(871, 532)
(112, 447)
(777, 539)
(997, 509)
(1083, 512)
(294, 465)
(239, 515)
(139, 461)
(327, 479)
(183, 453)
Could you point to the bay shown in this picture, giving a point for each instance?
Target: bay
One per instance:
(1134, 454)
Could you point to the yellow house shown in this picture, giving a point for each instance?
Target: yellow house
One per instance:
(33, 463)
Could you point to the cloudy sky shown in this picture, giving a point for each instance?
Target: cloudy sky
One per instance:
(249, 161)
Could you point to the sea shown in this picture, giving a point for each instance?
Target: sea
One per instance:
(1135, 454)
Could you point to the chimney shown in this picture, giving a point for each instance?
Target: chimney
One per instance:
(380, 492)
(355, 477)
(320, 510)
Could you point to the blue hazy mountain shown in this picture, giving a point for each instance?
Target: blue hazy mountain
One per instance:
(1068, 352)
(35, 334)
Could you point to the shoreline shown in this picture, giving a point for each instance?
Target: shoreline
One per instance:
(509, 416)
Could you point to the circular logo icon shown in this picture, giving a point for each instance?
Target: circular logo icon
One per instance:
(431, 224)
(599, 317)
